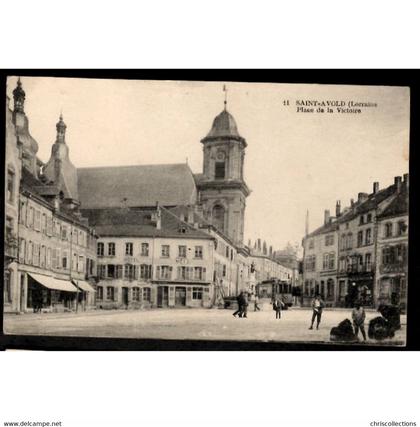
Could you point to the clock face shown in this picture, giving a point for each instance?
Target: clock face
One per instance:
(220, 155)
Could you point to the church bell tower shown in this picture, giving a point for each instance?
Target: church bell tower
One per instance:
(222, 188)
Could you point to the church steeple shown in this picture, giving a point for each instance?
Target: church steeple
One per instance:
(61, 130)
(222, 188)
(19, 98)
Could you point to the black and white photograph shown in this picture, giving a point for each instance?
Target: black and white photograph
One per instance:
(210, 211)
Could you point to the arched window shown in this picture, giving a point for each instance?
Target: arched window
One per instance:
(218, 215)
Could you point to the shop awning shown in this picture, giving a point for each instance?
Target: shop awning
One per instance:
(85, 286)
(52, 283)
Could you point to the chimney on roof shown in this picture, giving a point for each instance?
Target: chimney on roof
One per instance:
(351, 202)
(270, 251)
(326, 216)
(158, 217)
(397, 183)
(259, 244)
(362, 197)
(338, 208)
(406, 180)
(375, 187)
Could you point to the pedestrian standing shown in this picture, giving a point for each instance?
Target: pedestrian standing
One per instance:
(256, 301)
(278, 306)
(358, 315)
(239, 300)
(317, 307)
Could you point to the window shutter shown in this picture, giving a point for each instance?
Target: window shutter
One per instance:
(115, 294)
(170, 272)
(158, 271)
(204, 274)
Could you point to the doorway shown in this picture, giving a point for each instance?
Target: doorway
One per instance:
(162, 296)
(125, 295)
(180, 297)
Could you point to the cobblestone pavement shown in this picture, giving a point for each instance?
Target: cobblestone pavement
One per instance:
(208, 324)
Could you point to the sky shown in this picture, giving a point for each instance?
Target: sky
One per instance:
(294, 162)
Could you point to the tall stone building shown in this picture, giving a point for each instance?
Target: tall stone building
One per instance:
(221, 186)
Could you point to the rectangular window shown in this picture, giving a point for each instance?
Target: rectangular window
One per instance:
(331, 262)
(164, 272)
(81, 240)
(111, 271)
(368, 236)
(42, 256)
(197, 293)
(129, 271)
(102, 271)
(136, 294)
(145, 271)
(360, 238)
(199, 273)
(64, 232)
(22, 212)
(65, 260)
(37, 223)
(129, 249)
(48, 258)
(44, 223)
(219, 172)
(198, 252)
(402, 228)
(165, 251)
(49, 226)
(111, 249)
(311, 244)
(10, 186)
(362, 220)
(110, 293)
(81, 264)
(100, 249)
(99, 293)
(22, 249)
(388, 229)
(30, 217)
(368, 262)
(182, 251)
(36, 254)
(144, 249)
(224, 270)
(369, 218)
(146, 294)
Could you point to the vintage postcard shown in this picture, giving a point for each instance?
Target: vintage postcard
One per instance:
(211, 211)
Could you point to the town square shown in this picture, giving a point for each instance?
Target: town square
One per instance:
(119, 243)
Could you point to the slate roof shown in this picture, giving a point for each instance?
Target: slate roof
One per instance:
(326, 228)
(126, 222)
(399, 206)
(136, 186)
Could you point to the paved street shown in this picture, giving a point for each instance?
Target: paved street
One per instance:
(208, 324)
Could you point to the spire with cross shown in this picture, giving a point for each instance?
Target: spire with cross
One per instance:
(225, 91)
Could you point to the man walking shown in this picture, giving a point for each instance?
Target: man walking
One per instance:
(244, 304)
(239, 300)
(358, 315)
(256, 301)
(317, 307)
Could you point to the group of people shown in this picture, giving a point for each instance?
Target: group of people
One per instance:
(318, 304)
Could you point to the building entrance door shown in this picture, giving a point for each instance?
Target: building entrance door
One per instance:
(180, 297)
(125, 296)
(162, 296)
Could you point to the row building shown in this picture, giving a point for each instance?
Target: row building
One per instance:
(126, 236)
(361, 253)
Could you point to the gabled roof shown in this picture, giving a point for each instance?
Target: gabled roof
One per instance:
(326, 228)
(126, 222)
(136, 186)
(399, 206)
